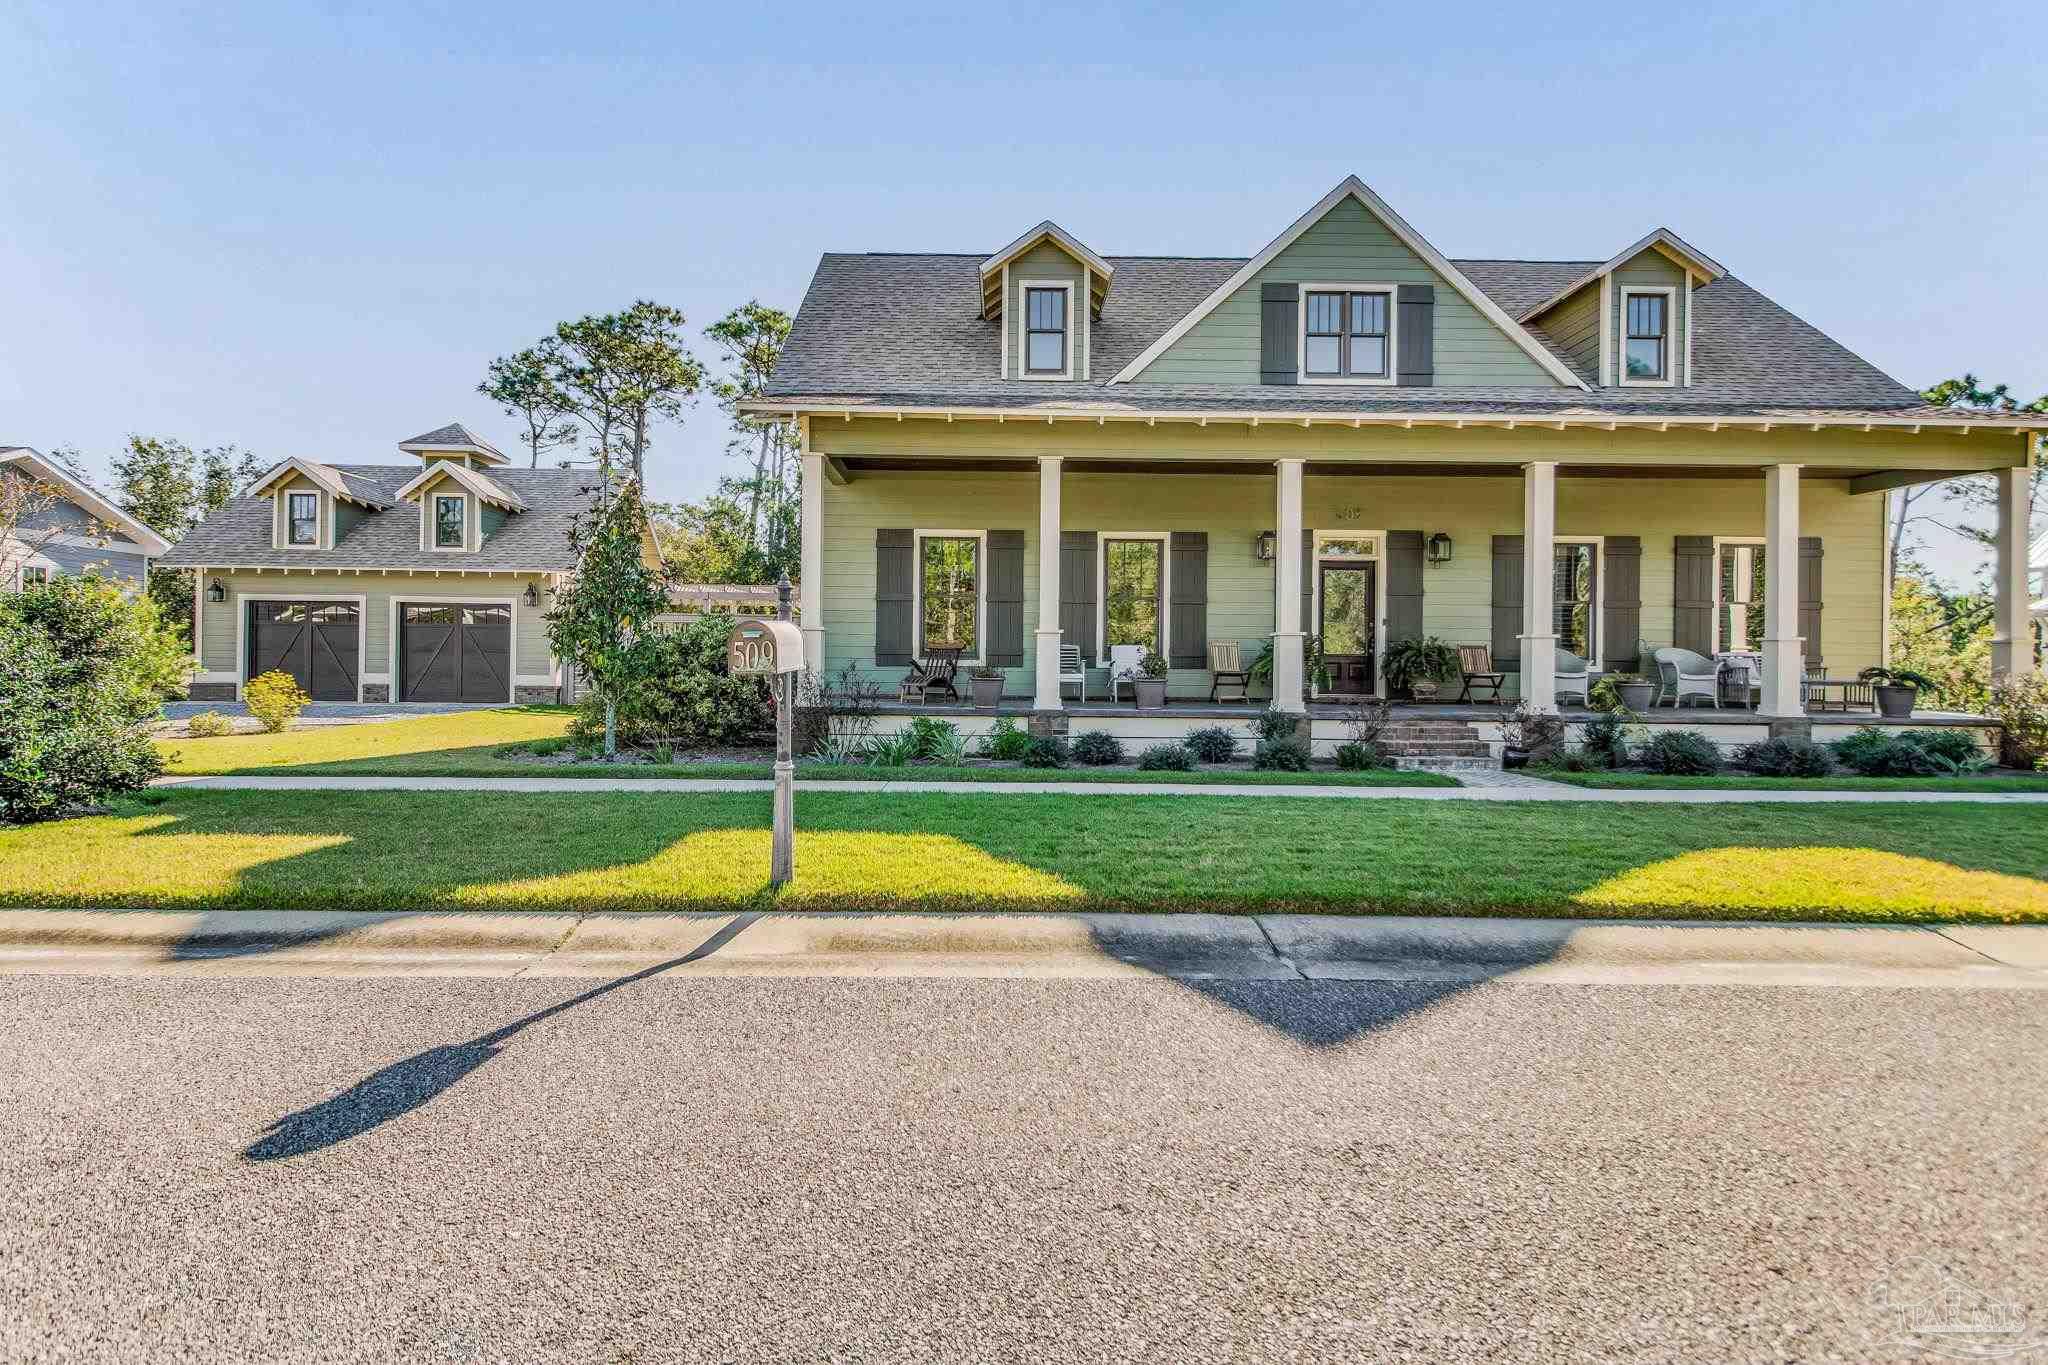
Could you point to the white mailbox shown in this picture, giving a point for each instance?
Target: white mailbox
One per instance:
(765, 647)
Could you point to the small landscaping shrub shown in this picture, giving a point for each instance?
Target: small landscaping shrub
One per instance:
(1540, 733)
(1954, 746)
(1680, 753)
(664, 754)
(208, 725)
(1046, 751)
(1357, 756)
(947, 748)
(1212, 744)
(2020, 706)
(931, 734)
(839, 749)
(1005, 741)
(894, 751)
(1578, 760)
(1873, 753)
(542, 748)
(1273, 723)
(685, 695)
(1604, 741)
(1098, 749)
(275, 700)
(1282, 755)
(1785, 758)
(1167, 758)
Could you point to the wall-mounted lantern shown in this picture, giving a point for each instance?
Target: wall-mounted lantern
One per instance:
(216, 593)
(1439, 548)
(532, 595)
(1264, 546)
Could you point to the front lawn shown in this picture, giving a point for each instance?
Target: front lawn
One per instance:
(428, 850)
(1976, 782)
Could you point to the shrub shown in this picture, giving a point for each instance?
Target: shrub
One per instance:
(1953, 746)
(1541, 733)
(1273, 723)
(1577, 760)
(541, 748)
(932, 735)
(686, 696)
(1680, 753)
(894, 751)
(1167, 758)
(1785, 758)
(948, 748)
(2020, 706)
(1356, 756)
(1212, 744)
(1604, 740)
(1282, 755)
(208, 725)
(1046, 751)
(1005, 741)
(1873, 753)
(82, 670)
(1152, 665)
(275, 699)
(1097, 749)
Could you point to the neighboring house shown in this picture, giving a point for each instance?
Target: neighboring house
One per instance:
(2037, 576)
(72, 529)
(426, 581)
(1350, 438)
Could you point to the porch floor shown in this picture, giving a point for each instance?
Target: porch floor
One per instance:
(1021, 707)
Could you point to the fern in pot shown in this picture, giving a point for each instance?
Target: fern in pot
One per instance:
(1898, 690)
(1418, 668)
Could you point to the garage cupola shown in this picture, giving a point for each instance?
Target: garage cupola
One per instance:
(457, 443)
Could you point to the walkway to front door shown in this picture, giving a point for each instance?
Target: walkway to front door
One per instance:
(1347, 590)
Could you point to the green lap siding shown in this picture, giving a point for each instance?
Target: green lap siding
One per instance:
(1046, 264)
(1575, 326)
(1654, 269)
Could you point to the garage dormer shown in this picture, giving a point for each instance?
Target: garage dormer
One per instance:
(455, 443)
(460, 507)
(1044, 292)
(314, 507)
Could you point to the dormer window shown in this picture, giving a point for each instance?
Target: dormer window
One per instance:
(1347, 334)
(302, 518)
(1646, 347)
(450, 517)
(1045, 331)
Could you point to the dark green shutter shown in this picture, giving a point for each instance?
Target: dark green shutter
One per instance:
(1416, 334)
(1279, 333)
(1692, 593)
(1809, 597)
(1005, 599)
(1621, 609)
(1308, 582)
(1507, 603)
(1404, 586)
(1188, 619)
(895, 594)
(1077, 591)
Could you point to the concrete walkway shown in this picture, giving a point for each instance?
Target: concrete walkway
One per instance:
(1525, 789)
(1190, 946)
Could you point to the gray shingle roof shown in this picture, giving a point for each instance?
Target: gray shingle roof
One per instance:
(536, 540)
(905, 330)
(453, 436)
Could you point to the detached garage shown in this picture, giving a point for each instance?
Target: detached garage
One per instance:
(318, 643)
(455, 652)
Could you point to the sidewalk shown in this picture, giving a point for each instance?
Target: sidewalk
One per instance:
(1522, 789)
(1187, 947)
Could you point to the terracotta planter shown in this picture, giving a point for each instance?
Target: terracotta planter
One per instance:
(1895, 702)
(1635, 696)
(1150, 691)
(987, 691)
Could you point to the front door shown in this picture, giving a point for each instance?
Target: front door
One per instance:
(1347, 592)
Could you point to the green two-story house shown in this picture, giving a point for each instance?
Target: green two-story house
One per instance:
(1348, 439)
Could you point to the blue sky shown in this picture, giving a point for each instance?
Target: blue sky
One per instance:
(305, 229)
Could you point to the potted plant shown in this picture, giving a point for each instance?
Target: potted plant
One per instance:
(1529, 735)
(1625, 691)
(1897, 690)
(1150, 684)
(988, 685)
(1418, 667)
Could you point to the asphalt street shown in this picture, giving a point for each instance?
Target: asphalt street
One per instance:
(672, 1168)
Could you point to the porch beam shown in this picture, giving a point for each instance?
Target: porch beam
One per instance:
(1900, 478)
(810, 588)
(1539, 628)
(2012, 631)
(1046, 693)
(836, 472)
(1287, 570)
(1784, 649)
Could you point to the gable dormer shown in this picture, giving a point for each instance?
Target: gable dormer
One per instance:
(457, 443)
(313, 507)
(460, 508)
(1044, 291)
(1628, 321)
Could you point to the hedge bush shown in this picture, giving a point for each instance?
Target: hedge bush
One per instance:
(1679, 753)
(1046, 751)
(1167, 758)
(1282, 755)
(275, 699)
(1785, 758)
(1098, 749)
(1005, 742)
(687, 698)
(1212, 744)
(1356, 756)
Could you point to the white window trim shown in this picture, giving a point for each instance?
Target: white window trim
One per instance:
(1379, 594)
(322, 519)
(1102, 539)
(1669, 293)
(511, 637)
(1594, 643)
(242, 600)
(1720, 646)
(469, 516)
(1024, 288)
(917, 540)
(1393, 293)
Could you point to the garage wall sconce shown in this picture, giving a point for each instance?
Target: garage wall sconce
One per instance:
(216, 593)
(532, 595)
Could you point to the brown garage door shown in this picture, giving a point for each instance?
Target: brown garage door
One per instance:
(318, 643)
(455, 653)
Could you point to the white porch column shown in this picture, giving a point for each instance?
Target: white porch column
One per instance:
(2012, 632)
(1784, 649)
(1047, 694)
(810, 594)
(1539, 619)
(1287, 622)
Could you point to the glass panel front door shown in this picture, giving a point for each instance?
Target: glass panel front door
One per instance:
(1346, 624)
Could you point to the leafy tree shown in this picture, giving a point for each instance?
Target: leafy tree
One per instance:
(523, 384)
(225, 473)
(710, 541)
(158, 485)
(751, 338)
(598, 622)
(622, 371)
(1972, 498)
(1945, 636)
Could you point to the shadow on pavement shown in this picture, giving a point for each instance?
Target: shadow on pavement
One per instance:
(406, 1085)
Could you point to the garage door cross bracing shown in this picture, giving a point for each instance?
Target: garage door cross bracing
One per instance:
(318, 643)
(455, 653)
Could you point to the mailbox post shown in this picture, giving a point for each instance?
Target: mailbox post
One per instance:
(776, 649)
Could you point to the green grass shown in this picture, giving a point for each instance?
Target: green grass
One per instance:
(428, 850)
(492, 744)
(1979, 782)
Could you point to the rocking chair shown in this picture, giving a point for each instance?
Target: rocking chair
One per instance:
(932, 675)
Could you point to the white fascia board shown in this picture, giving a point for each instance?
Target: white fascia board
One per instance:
(1353, 187)
(485, 488)
(44, 471)
(1067, 243)
(1663, 240)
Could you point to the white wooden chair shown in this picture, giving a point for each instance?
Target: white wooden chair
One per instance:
(1073, 669)
(1123, 669)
